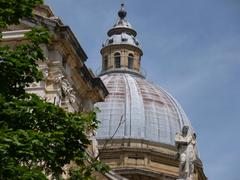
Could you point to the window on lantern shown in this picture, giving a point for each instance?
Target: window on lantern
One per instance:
(105, 62)
(130, 61)
(110, 41)
(117, 60)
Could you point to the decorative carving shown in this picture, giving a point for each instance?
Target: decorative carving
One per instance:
(94, 144)
(185, 143)
(65, 85)
(45, 73)
(72, 98)
(69, 89)
(34, 84)
(59, 78)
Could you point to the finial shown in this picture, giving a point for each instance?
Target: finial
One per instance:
(122, 13)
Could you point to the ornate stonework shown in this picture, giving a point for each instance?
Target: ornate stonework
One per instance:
(185, 143)
(67, 81)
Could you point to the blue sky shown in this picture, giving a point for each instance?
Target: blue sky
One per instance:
(191, 49)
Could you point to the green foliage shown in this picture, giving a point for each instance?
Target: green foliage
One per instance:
(18, 67)
(37, 134)
(80, 172)
(13, 10)
(37, 138)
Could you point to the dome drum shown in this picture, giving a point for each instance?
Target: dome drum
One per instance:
(142, 158)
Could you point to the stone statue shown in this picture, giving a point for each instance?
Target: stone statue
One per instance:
(45, 73)
(59, 78)
(64, 85)
(185, 143)
(72, 98)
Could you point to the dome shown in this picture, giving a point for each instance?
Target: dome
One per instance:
(138, 120)
(137, 109)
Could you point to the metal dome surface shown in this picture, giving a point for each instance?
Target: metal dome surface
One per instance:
(137, 109)
(122, 38)
(122, 25)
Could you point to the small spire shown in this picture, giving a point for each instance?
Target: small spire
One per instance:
(122, 13)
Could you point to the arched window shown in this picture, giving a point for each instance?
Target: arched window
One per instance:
(130, 61)
(105, 63)
(117, 60)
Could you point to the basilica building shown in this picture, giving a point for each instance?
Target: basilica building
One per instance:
(139, 120)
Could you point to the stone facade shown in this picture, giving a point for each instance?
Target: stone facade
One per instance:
(67, 81)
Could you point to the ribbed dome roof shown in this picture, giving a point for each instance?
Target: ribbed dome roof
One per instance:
(143, 110)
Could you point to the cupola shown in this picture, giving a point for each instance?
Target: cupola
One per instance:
(121, 51)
